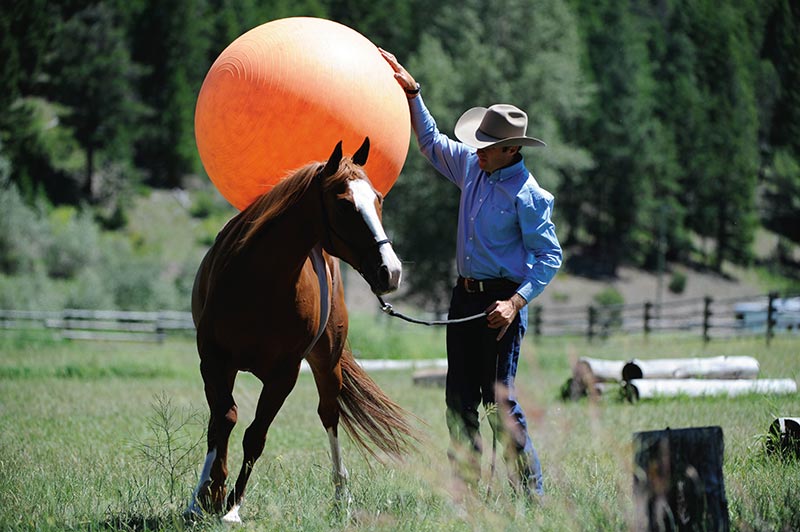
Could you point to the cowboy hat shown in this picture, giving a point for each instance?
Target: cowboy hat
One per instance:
(499, 125)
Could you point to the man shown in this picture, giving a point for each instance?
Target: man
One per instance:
(507, 252)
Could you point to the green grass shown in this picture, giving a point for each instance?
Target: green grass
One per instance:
(74, 418)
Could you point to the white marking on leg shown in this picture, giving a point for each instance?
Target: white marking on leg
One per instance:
(233, 515)
(364, 198)
(205, 476)
(342, 493)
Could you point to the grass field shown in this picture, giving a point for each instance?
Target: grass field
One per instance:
(104, 436)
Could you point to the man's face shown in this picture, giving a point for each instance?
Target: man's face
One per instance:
(494, 158)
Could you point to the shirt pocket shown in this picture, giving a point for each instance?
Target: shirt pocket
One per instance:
(499, 225)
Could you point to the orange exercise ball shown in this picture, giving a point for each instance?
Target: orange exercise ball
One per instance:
(284, 93)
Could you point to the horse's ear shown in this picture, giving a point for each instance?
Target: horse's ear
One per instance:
(360, 157)
(333, 161)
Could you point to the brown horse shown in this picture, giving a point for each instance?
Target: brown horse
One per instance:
(269, 294)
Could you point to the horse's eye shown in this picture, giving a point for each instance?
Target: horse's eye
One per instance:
(343, 203)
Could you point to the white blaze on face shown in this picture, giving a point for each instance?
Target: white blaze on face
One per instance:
(364, 198)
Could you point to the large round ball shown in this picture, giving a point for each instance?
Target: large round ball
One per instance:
(283, 94)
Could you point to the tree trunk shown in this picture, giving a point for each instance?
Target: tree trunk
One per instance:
(87, 186)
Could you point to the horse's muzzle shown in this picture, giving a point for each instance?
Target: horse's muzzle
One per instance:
(384, 276)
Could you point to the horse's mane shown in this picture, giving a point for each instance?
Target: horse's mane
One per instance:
(286, 193)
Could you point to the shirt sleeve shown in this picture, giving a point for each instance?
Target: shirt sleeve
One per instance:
(540, 240)
(446, 155)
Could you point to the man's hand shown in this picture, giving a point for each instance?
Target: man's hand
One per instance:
(402, 76)
(500, 314)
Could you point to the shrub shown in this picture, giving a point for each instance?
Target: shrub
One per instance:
(203, 204)
(135, 281)
(608, 297)
(75, 243)
(30, 291)
(677, 283)
(610, 315)
(88, 291)
(23, 234)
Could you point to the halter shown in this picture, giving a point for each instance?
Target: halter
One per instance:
(331, 230)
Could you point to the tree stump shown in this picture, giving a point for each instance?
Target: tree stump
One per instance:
(678, 482)
(784, 437)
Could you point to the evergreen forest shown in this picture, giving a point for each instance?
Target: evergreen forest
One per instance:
(673, 127)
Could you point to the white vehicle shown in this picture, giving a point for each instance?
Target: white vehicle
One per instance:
(753, 314)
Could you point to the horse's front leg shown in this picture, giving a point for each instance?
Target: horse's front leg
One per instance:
(209, 495)
(273, 394)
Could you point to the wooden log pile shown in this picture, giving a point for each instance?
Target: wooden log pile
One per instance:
(669, 377)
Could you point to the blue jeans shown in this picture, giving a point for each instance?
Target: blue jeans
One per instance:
(481, 369)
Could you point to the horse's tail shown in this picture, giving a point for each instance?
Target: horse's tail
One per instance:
(369, 416)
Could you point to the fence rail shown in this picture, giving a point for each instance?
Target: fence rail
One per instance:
(712, 318)
(79, 324)
(721, 318)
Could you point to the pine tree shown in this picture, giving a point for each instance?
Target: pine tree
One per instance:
(172, 40)
(625, 136)
(92, 73)
(720, 186)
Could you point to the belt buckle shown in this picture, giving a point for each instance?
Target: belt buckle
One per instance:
(469, 285)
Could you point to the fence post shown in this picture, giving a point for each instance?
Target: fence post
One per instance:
(648, 308)
(771, 316)
(592, 320)
(707, 312)
(537, 320)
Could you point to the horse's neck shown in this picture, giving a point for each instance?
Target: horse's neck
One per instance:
(296, 231)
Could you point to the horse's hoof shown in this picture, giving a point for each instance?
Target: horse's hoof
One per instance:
(232, 516)
(194, 511)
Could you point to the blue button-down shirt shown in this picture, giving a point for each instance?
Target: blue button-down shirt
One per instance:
(504, 225)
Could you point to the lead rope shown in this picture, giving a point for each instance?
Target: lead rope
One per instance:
(388, 309)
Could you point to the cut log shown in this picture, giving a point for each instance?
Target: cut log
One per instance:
(678, 481)
(600, 370)
(435, 377)
(681, 368)
(588, 374)
(649, 388)
(784, 437)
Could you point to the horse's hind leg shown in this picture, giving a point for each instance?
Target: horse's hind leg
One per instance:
(329, 384)
(209, 495)
(273, 394)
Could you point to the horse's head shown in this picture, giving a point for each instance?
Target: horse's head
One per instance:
(354, 230)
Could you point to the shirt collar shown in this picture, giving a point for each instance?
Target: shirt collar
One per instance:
(508, 172)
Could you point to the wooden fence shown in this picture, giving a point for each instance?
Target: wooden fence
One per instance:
(76, 324)
(711, 318)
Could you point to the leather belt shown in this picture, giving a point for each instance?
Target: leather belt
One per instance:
(475, 286)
